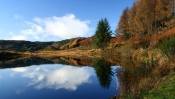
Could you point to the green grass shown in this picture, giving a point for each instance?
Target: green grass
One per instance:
(165, 91)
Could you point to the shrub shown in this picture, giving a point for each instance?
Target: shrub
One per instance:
(140, 55)
(168, 45)
(126, 50)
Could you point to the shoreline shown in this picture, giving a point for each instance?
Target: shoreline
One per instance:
(69, 53)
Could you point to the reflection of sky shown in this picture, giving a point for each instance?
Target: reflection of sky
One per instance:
(66, 77)
(57, 80)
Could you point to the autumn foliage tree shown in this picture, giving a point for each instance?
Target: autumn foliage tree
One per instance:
(123, 25)
(131, 18)
(147, 17)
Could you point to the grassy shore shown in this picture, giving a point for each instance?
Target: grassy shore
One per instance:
(70, 52)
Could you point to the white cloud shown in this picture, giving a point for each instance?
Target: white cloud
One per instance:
(65, 27)
(19, 38)
(35, 29)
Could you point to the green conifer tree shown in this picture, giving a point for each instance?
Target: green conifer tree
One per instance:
(102, 34)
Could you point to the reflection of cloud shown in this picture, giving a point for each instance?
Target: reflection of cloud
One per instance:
(65, 77)
(117, 83)
(20, 69)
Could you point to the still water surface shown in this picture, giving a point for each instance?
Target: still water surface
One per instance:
(58, 81)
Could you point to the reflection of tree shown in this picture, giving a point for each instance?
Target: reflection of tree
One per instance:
(103, 72)
(134, 81)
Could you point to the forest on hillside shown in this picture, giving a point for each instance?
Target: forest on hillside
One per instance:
(146, 17)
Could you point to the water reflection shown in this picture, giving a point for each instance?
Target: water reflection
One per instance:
(141, 77)
(28, 61)
(56, 78)
(80, 77)
(60, 76)
(24, 61)
(103, 72)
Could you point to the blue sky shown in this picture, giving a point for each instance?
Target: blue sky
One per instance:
(55, 20)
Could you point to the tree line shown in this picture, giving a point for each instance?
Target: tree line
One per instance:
(146, 17)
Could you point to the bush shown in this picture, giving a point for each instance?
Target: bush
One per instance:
(168, 45)
(126, 50)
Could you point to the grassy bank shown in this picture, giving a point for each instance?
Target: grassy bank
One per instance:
(164, 91)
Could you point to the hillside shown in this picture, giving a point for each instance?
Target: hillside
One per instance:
(80, 43)
(117, 41)
(24, 46)
(21, 46)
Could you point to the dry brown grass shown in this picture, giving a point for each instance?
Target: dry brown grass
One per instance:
(74, 52)
(86, 42)
(66, 46)
(146, 38)
(74, 43)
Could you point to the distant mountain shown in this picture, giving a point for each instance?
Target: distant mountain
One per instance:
(23, 46)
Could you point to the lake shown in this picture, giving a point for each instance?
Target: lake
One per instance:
(58, 78)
